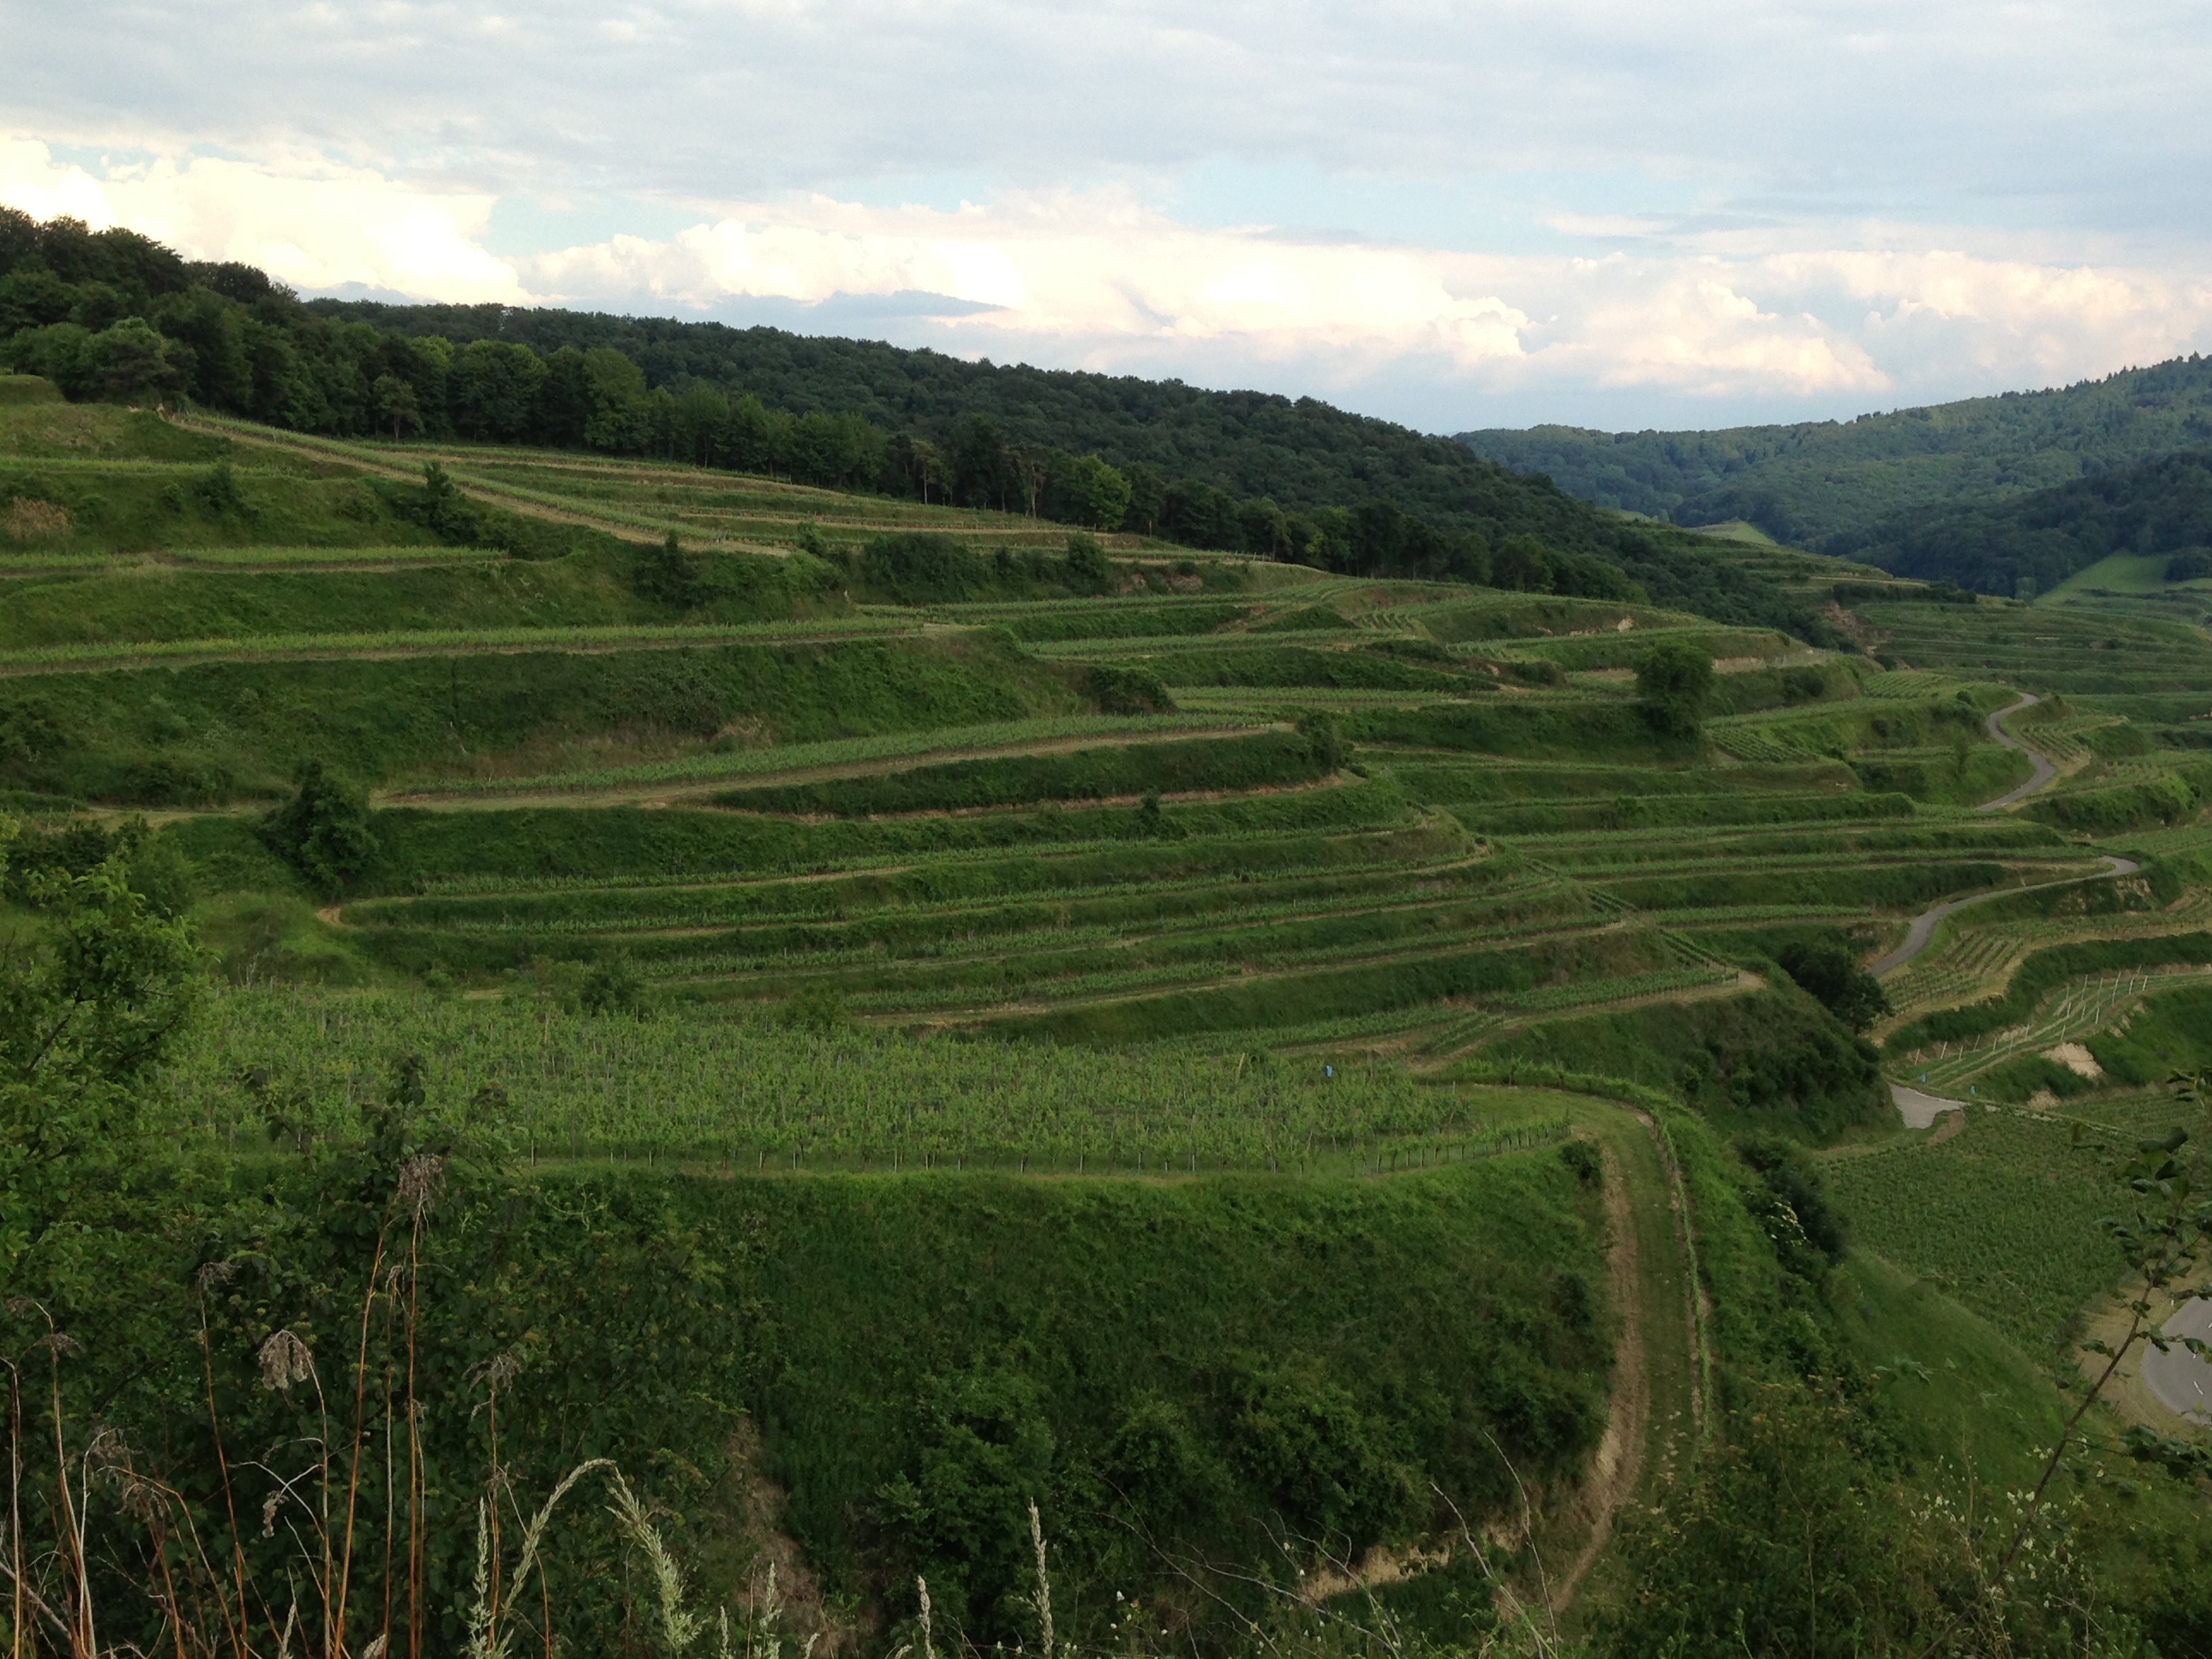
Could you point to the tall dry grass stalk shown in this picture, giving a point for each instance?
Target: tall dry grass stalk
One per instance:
(1042, 1599)
(679, 1627)
(217, 1604)
(765, 1627)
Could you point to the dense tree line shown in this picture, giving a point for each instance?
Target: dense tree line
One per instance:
(1815, 480)
(2030, 544)
(112, 314)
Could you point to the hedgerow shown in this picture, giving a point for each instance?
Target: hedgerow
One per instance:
(209, 733)
(1595, 730)
(1268, 759)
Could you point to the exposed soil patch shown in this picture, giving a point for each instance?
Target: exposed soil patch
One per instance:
(1855, 627)
(26, 519)
(754, 1505)
(1620, 1460)
(2077, 1059)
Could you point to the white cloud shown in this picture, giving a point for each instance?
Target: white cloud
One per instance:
(1686, 324)
(311, 224)
(1100, 279)
(1061, 266)
(1723, 203)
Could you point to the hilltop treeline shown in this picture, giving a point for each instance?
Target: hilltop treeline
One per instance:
(114, 314)
(1817, 480)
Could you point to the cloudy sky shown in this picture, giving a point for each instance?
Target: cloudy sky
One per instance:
(1617, 213)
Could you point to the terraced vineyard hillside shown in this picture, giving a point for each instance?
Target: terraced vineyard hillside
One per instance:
(795, 760)
(677, 818)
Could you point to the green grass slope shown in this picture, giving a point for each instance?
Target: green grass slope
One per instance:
(208, 733)
(1215, 1367)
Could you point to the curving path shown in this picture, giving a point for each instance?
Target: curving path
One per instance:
(2044, 771)
(2181, 1382)
(1924, 925)
(1920, 1110)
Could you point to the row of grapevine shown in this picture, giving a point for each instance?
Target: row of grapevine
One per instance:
(542, 1082)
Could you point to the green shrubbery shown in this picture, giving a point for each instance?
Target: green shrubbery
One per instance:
(1827, 969)
(1591, 731)
(1294, 666)
(132, 509)
(1121, 622)
(1773, 1057)
(612, 843)
(2158, 884)
(27, 389)
(2169, 798)
(589, 587)
(1453, 781)
(1783, 688)
(2125, 741)
(153, 866)
(1126, 690)
(1496, 617)
(151, 737)
(1296, 999)
(324, 831)
(1804, 1215)
(1266, 760)
(1890, 886)
(1634, 811)
(1968, 776)
(921, 568)
(1179, 1417)
(1171, 1364)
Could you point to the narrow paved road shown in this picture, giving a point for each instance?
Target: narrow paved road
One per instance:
(1918, 1110)
(2044, 771)
(2181, 1382)
(1924, 925)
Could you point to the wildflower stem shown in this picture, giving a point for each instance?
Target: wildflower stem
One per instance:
(230, 1497)
(360, 1428)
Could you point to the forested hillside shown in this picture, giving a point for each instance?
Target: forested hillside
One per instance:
(114, 315)
(1994, 546)
(1820, 481)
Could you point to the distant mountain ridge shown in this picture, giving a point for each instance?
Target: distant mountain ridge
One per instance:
(1828, 484)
